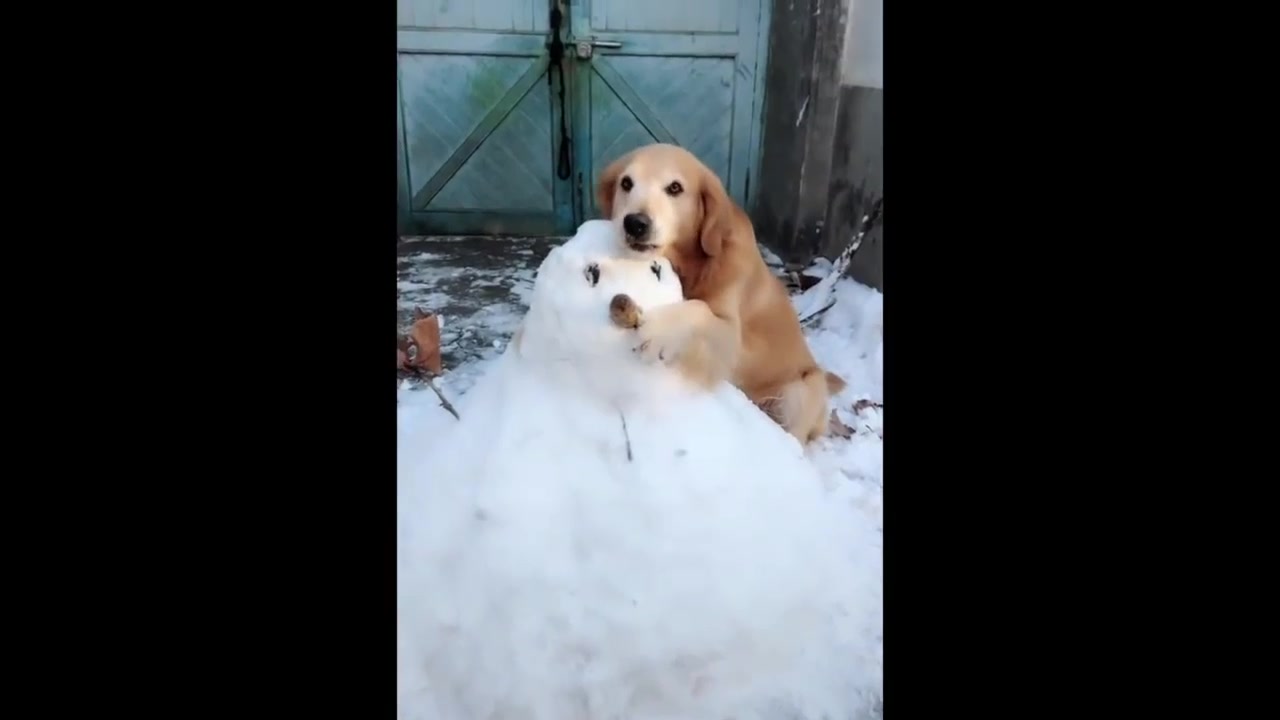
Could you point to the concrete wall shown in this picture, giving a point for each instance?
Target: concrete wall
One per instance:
(857, 173)
(862, 60)
(821, 166)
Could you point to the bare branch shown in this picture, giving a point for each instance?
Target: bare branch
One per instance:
(819, 294)
(429, 379)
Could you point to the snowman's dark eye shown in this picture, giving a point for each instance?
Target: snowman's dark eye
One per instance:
(657, 270)
(592, 274)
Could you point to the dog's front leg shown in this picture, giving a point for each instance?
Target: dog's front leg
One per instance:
(666, 330)
(690, 335)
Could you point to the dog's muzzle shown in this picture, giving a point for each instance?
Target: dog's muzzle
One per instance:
(636, 226)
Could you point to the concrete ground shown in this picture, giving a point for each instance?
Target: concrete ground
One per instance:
(479, 285)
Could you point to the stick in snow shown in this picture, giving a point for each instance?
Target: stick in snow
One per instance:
(444, 403)
(626, 435)
(429, 379)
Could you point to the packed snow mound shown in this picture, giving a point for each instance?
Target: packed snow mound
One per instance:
(598, 540)
(567, 335)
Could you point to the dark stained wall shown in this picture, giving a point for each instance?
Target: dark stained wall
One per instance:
(821, 165)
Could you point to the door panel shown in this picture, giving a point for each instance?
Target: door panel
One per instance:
(676, 16)
(478, 125)
(685, 72)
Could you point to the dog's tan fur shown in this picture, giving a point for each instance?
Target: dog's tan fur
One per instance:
(737, 322)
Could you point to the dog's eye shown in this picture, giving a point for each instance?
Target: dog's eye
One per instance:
(626, 183)
(592, 273)
(657, 270)
(675, 189)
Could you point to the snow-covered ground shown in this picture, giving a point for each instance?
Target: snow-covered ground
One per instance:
(479, 287)
(847, 339)
(538, 568)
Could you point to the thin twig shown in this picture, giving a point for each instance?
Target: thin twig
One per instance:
(429, 379)
(444, 402)
(626, 435)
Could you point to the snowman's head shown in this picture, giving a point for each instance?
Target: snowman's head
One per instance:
(568, 319)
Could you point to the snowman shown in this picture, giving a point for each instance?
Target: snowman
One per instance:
(600, 538)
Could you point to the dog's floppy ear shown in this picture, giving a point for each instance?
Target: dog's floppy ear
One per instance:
(607, 185)
(717, 214)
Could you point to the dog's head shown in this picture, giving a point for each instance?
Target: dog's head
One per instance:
(660, 196)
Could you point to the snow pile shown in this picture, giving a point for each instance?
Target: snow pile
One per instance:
(848, 340)
(596, 539)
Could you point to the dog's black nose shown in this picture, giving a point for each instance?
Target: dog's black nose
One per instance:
(636, 225)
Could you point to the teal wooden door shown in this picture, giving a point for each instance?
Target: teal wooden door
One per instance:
(687, 72)
(478, 126)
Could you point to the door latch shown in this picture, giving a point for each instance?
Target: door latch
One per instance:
(586, 48)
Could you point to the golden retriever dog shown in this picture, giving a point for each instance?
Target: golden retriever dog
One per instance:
(736, 322)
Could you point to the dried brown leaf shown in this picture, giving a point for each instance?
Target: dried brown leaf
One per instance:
(864, 403)
(837, 426)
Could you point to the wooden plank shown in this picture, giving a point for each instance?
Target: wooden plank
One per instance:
(632, 101)
(693, 98)
(671, 16)
(503, 15)
(511, 170)
(744, 86)
(443, 13)
(404, 195)
(481, 131)
(541, 12)
(445, 97)
(471, 15)
(755, 141)
(599, 16)
(453, 42)
(582, 191)
(728, 15)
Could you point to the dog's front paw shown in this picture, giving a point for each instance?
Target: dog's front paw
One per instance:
(659, 340)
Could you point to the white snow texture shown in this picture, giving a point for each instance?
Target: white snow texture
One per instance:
(543, 575)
